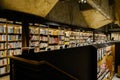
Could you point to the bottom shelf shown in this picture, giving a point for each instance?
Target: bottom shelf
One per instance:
(4, 74)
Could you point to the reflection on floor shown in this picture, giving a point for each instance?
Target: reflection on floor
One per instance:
(8, 78)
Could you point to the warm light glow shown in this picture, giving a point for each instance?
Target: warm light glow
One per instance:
(82, 1)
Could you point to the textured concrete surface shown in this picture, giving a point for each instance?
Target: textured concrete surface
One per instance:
(36, 7)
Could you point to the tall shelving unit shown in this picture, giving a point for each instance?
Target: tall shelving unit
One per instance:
(53, 39)
(10, 43)
(43, 37)
(14, 38)
(34, 36)
(61, 37)
(3, 48)
(105, 63)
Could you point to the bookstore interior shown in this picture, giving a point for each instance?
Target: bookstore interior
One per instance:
(60, 39)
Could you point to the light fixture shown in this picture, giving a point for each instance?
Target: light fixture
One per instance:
(82, 1)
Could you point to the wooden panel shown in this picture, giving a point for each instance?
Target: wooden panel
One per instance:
(95, 19)
(36, 7)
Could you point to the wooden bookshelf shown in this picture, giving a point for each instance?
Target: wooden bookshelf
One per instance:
(105, 68)
(10, 43)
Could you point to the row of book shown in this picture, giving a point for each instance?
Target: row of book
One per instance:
(43, 38)
(3, 53)
(101, 52)
(43, 45)
(14, 52)
(2, 28)
(14, 45)
(3, 46)
(34, 37)
(53, 32)
(34, 43)
(34, 30)
(14, 29)
(14, 37)
(3, 61)
(44, 31)
(116, 36)
(103, 72)
(4, 70)
(2, 37)
(53, 40)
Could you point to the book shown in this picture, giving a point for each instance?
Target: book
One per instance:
(10, 29)
(2, 70)
(3, 53)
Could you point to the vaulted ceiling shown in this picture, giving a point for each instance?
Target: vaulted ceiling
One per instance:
(97, 13)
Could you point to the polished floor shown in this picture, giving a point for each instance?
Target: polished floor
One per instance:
(8, 78)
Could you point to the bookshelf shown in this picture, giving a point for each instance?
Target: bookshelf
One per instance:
(100, 37)
(116, 36)
(34, 37)
(53, 39)
(44, 37)
(14, 38)
(47, 37)
(10, 43)
(67, 38)
(105, 67)
(84, 36)
(61, 38)
(3, 48)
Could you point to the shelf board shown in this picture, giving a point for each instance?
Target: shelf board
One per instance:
(14, 33)
(43, 34)
(43, 41)
(3, 57)
(3, 65)
(13, 48)
(53, 43)
(2, 33)
(15, 41)
(34, 40)
(2, 41)
(61, 35)
(3, 49)
(34, 34)
(43, 48)
(53, 35)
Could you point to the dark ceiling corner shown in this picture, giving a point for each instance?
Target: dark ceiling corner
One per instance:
(84, 6)
(111, 2)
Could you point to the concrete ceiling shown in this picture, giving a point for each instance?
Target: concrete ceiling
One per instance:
(36, 7)
(117, 12)
(94, 18)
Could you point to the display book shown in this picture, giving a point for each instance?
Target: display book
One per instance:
(105, 62)
(10, 43)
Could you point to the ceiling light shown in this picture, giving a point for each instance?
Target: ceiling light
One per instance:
(82, 1)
